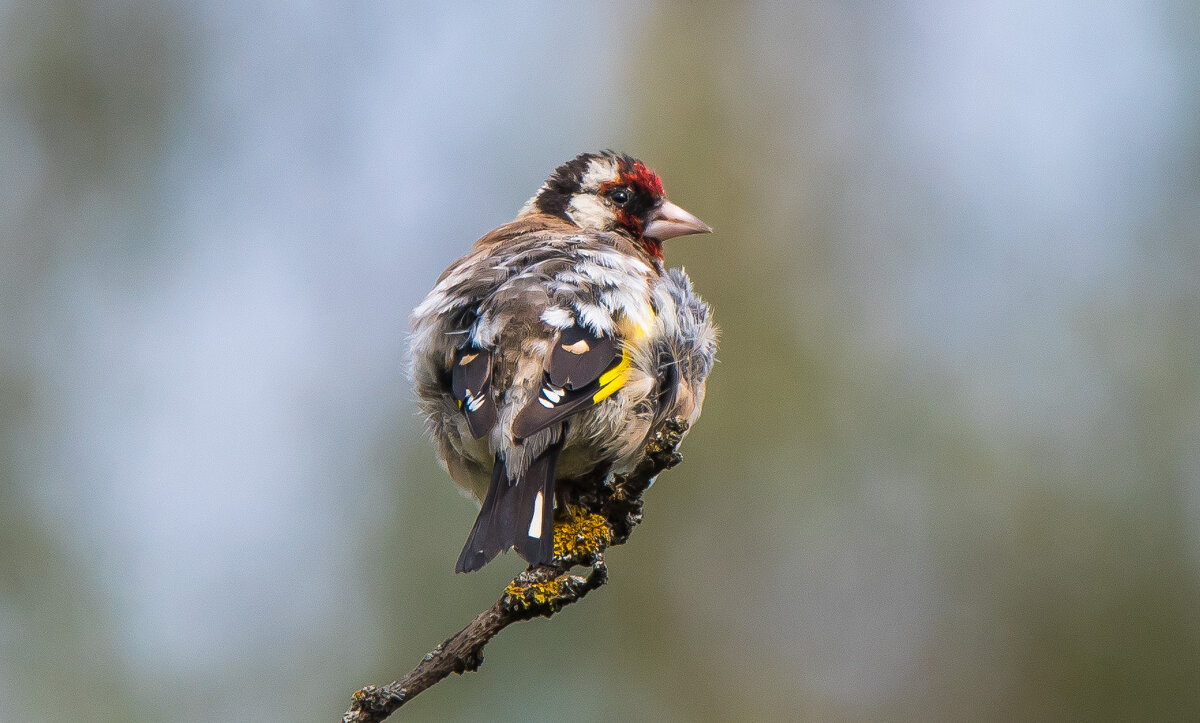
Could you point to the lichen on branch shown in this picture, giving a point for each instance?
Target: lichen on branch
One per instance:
(581, 536)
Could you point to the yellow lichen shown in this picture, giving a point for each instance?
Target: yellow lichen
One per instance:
(582, 535)
(544, 592)
(538, 593)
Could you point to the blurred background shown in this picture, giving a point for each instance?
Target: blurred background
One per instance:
(949, 467)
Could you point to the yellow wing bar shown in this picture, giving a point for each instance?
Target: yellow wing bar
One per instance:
(613, 379)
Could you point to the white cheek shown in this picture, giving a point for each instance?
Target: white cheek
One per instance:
(588, 211)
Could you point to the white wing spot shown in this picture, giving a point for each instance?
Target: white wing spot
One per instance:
(535, 524)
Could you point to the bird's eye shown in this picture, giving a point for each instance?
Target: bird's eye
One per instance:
(619, 196)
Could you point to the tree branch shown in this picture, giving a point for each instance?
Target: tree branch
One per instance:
(603, 518)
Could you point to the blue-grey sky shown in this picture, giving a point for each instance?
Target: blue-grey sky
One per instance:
(216, 219)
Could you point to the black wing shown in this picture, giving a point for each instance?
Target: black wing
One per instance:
(471, 385)
(584, 369)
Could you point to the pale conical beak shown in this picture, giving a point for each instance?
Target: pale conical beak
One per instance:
(670, 221)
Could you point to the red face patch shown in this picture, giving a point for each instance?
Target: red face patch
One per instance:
(647, 190)
(642, 179)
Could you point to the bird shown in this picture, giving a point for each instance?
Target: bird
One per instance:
(544, 358)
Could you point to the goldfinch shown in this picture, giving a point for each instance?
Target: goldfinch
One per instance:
(544, 358)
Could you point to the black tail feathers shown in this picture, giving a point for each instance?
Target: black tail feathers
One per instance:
(494, 524)
(519, 514)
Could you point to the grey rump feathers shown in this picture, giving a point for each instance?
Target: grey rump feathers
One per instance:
(543, 358)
